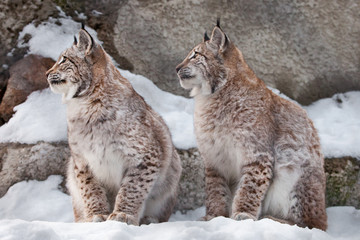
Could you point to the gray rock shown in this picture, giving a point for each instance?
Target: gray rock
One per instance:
(306, 49)
(192, 182)
(20, 162)
(342, 181)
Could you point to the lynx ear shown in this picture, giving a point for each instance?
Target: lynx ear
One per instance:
(75, 40)
(219, 38)
(206, 37)
(86, 42)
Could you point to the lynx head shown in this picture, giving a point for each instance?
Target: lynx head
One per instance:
(71, 75)
(206, 67)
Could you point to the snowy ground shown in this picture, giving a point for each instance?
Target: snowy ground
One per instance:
(38, 210)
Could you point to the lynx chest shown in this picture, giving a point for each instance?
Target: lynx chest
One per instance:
(218, 140)
(101, 147)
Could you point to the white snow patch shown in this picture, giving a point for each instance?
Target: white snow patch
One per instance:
(96, 13)
(39, 210)
(81, 15)
(52, 37)
(338, 121)
(37, 201)
(41, 117)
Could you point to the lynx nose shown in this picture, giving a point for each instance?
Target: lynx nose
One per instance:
(178, 67)
(47, 73)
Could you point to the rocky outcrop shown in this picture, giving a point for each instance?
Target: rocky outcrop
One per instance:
(26, 76)
(192, 182)
(306, 49)
(343, 181)
(20, 162)
(14, 16)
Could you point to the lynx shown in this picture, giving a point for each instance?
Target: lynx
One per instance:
(261, 152)
(123, 164)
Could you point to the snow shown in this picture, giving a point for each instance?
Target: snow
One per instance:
(39, 210)
(41, 117)
(338, 121)
(52, 37)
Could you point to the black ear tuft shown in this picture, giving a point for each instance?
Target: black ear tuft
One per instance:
(82, 25)
(218, 23)
(75, 40)
(206, 37)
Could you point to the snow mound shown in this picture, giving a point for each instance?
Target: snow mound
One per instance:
(338, 121)
(41, 117)
(36, 210)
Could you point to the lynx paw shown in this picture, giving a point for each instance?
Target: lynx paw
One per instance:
(148, 220)
(238, 216)
(97, 218)
(206, 218)
(123, 217)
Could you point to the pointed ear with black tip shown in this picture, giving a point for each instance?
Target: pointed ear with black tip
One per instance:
(219, 39)
(218, 23)
(206, 37)
(75, 40)
(86, 42)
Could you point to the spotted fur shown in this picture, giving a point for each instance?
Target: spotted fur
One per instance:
(123, 164)
(261, 152)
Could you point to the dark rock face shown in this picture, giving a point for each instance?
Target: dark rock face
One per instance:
(343, 181)
(19, 162)
(14, 16)
(26, 76)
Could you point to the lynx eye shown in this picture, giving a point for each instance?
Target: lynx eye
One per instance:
(62, 60)
(193, 55)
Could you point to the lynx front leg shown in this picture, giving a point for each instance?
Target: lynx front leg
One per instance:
(254, 183)
(217, 195)
(92, 195)
(134, 190)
